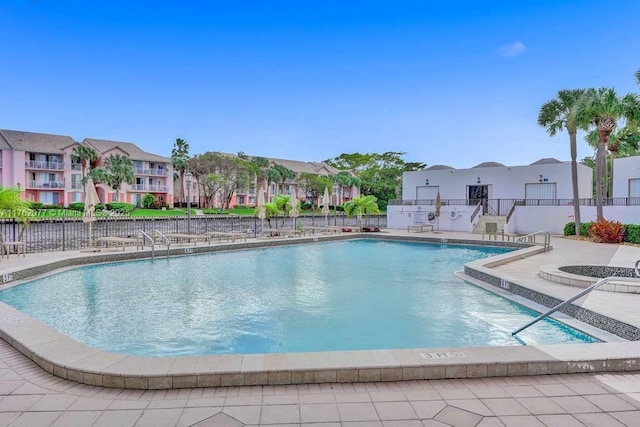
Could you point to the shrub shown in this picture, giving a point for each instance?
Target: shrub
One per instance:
(633, 233)
(305, 206)
(243, 207)
(120, 207)
(51, 207)
(37, 205)
(605, 231)
(148, 200)
(159, 204)
(570, 229)
(76, 206)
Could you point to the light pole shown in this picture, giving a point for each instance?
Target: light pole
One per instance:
(187, 177)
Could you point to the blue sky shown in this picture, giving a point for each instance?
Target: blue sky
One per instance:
(454, 83)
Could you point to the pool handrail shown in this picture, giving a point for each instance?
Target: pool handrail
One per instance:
(547, 238)
(575, 297)
(637, 268)
(167, 241)
(153, 243)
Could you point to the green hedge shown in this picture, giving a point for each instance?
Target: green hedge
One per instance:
(632, 234)
(570, 229)
(120, 207)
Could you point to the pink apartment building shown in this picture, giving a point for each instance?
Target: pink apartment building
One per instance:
(41, 165)
(153, 174)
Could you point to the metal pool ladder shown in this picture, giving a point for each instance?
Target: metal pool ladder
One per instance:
(582, 293)
(157, 233)
(153, 242)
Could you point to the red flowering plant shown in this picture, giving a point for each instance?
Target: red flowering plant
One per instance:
(605, 231)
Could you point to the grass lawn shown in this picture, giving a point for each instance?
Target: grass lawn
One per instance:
(160, 212)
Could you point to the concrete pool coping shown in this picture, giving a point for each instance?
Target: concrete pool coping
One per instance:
(69, 359)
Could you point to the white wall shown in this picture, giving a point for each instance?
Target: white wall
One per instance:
(504, 182)
(623, 170)
(525, 219)
(399, 217)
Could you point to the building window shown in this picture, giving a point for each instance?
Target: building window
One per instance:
(634, 187)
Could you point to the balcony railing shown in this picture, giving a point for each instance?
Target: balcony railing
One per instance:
(57, 185)
(76, 186)
(146, 187)
(76, 167)
(156, 172)
(45, 165)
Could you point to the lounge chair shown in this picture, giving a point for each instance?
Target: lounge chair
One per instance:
(8, 245)
(491, 229)
(124, 241)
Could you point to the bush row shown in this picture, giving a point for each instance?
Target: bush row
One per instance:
(606, 231)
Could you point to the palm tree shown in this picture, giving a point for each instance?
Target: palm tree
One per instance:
(285, 173)
(179, 157)
(12, 205)
(638, 76)
(120, 170)
(363, 205)
(272, 175)
(603, 108)
(86, 156)
(624, 140)
(283, 204)
(555, 115)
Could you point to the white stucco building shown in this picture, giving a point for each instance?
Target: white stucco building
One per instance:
(493, 186)
(626, 179)
(544, 179)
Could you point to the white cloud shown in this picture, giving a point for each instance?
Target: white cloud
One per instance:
(513, 49)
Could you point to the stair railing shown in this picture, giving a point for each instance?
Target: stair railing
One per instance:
(578, 295)
(476, 211)
(547, 238)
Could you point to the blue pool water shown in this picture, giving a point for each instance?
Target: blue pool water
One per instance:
(349, 295)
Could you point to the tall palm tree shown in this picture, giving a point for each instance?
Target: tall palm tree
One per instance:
(638, 76)
(285, 173)
(86, 156)
(555, 115)
(624, 140)
(603, 108)
(120, 170)
(179, 157)
(273, 175)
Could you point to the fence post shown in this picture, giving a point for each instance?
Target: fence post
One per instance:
(64, 234)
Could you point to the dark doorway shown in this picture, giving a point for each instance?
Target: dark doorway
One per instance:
(477, 194)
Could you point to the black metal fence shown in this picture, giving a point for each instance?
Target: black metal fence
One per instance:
(65, 234)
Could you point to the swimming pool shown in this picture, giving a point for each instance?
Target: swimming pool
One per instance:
(348, 295)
